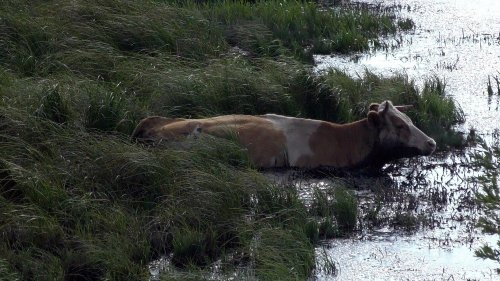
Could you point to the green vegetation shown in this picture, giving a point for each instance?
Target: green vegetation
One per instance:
(489, 197)
(337, 211)
(301, 27)
(79, 201)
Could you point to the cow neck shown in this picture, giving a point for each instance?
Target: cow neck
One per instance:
(346, 145)
(364, 140)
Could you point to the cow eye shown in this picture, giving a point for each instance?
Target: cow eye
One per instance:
(400, 127)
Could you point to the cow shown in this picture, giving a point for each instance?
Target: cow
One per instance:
(275, 141)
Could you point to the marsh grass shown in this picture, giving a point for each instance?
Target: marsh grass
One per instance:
(303, 27)
(337, 209)
(79, 200)
(104, 112)
(118, 205)
(487, 159)
(53, 107)
(275, 255)
(406, 221)
(6, 272)
(437, 113)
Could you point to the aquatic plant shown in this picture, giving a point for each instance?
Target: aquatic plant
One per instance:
(337, 209)
(489, 197)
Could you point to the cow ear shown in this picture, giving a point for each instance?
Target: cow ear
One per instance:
(384, 107)
(373, 106)
(374, 119)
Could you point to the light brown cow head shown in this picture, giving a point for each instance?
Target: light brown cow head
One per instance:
(398, 137)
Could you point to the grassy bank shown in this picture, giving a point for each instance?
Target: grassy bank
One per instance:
(79, 201)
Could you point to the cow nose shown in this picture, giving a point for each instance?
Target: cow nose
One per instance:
(431, 144)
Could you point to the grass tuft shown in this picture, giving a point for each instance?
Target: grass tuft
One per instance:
(104, 112)
(337, 209)
(53, 107)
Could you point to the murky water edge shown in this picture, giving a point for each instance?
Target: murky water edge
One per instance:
(437, 190)
(457, 41)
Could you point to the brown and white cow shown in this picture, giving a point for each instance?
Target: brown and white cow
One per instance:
(280, 141)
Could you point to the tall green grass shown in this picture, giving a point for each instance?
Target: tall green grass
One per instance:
(77, 203)
(79, 200)
(337, 210)
(304, 27)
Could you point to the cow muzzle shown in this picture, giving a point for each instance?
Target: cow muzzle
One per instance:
(429, 147)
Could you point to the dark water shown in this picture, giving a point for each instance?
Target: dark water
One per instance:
(458, 41)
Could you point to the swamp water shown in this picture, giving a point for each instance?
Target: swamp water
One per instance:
(424, 228)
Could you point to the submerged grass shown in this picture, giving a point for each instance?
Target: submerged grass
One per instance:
(488, 197)
(79, 201)
(336, 210)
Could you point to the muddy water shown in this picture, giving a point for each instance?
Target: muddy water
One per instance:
(458, 41)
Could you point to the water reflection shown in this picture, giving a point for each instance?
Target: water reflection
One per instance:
(456, 40)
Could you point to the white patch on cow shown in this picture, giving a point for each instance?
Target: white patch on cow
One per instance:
(297, 132)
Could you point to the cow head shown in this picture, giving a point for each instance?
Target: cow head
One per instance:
(397, 135)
